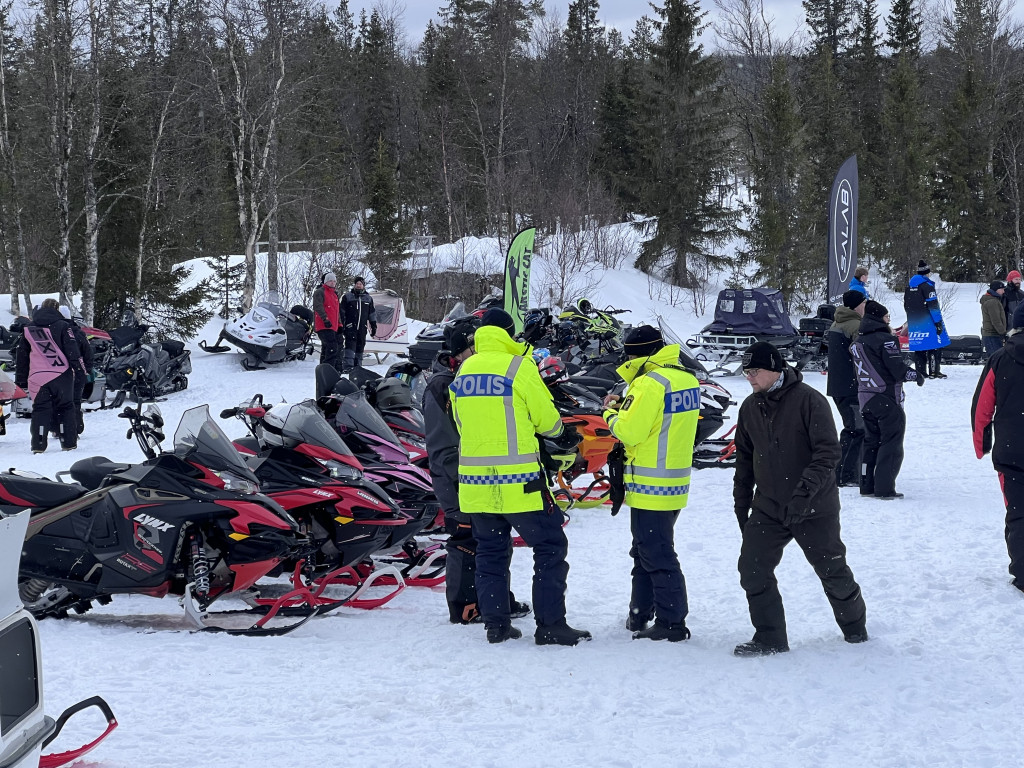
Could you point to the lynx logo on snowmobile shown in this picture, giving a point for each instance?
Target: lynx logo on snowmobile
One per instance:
(682, 400)
(152, 522)
(482, 385)
(325, 494)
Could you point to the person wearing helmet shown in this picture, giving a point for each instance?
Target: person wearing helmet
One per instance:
(443, 453)
(326, 319)
(501, 408)
(657, 424)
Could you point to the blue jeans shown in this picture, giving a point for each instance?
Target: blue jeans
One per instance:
(992, 344)
(659, 588)
(542, 531)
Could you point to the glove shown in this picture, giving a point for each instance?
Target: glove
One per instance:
(742, 515)
(798, 510)
(373, 329)
(938, 328)
(327, 324)
(568, 440)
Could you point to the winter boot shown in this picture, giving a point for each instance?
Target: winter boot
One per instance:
(39, 440)
(637, 622)
(502, 633)
(756, 648)
(560, 634)
(856, 636)
(673, 633)
(517, 609)
(889, 496)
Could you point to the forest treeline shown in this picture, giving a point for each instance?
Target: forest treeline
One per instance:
(137, 134)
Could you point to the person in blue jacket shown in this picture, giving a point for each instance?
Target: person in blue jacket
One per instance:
(859, 282)
(925, 328)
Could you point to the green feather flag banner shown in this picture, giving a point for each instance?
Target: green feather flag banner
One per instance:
(517, 276)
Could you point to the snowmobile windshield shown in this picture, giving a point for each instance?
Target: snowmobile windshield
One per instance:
(456, 313)
(356, 413)
(307, 424)
(268, 307)
(199, 439)
(685, 357)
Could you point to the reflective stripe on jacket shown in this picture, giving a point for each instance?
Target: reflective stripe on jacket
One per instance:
(657, 423)
(500, 406)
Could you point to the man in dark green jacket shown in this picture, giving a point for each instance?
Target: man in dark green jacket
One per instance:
(842, 385)
(993, 318)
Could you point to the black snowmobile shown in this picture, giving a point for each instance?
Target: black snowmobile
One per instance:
(267, 333)
(141, 370)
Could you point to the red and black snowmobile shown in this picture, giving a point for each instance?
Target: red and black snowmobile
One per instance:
(188, 523)
(386, 462)
(303, 464)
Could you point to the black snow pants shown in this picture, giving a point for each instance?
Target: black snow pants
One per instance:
(54, 406)
(764, 538)
(330, 353)
(659, 588)
(355, 342)
(851, 439)
(1013, 494)
(884, 426)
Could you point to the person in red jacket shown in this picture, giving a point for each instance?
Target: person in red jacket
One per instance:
(326, 319)
(996, 405)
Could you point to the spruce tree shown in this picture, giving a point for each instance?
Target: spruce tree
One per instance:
(385, 235)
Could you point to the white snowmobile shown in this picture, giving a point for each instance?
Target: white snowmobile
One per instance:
(268, 333)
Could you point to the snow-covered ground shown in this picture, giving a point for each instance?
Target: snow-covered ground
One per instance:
(938, 684)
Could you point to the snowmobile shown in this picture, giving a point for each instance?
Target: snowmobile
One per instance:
(398, 397)
(386, 462)
(188, 523)
(304, 465)
(810, 353)
(430, 340)
(26, 730)
(144, 371)
(9, 392)
(267, 333)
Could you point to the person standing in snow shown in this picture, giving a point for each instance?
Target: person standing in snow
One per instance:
(993, 317)
(842, 385)
(326, 319)
(996, 408)
(787, 449)
(859, 281)
(881, 373)
(502, 407)
(47, 359)
(357, 312)
(442, 437)
(926, 330)
(1012, 296)
(657, 425)
(81, 374)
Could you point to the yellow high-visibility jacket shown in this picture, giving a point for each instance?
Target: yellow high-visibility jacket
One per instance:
(501, 405)
(657, 424)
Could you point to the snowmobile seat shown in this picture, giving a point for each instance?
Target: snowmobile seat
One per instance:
(173, 347)
(393, 393)
(126, 338)
(303, 313)
(326, 376)
(38, 492)
(362, 376)
(93, 471)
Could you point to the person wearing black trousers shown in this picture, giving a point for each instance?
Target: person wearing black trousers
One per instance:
(443, 451)
(842, 385)
(787, 449)
(996, 405)
(81, 374)
(357, 312)
(881, 373)
(326, 320)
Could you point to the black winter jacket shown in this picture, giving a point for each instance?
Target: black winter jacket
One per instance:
(786, 446)
(1012, 296)
(997, 400)
(62, 333)
(357, 310)
(88, 358)
(879, 362)
(442, 435)
(842, 377)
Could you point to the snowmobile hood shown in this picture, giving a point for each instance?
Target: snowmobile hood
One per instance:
(667, 355)
(490, 338)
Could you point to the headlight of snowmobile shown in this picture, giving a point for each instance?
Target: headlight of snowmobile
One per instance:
(340, 470)
(233, 482)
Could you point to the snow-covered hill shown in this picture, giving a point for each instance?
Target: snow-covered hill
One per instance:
(939, 684)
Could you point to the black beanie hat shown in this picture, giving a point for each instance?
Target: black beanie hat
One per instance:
(644, 341)
(995, 285)
(874, 309)
(923, 268)
(358, 279)
(459, 337)
(500, 318)
(853, 299)
(763, 355)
